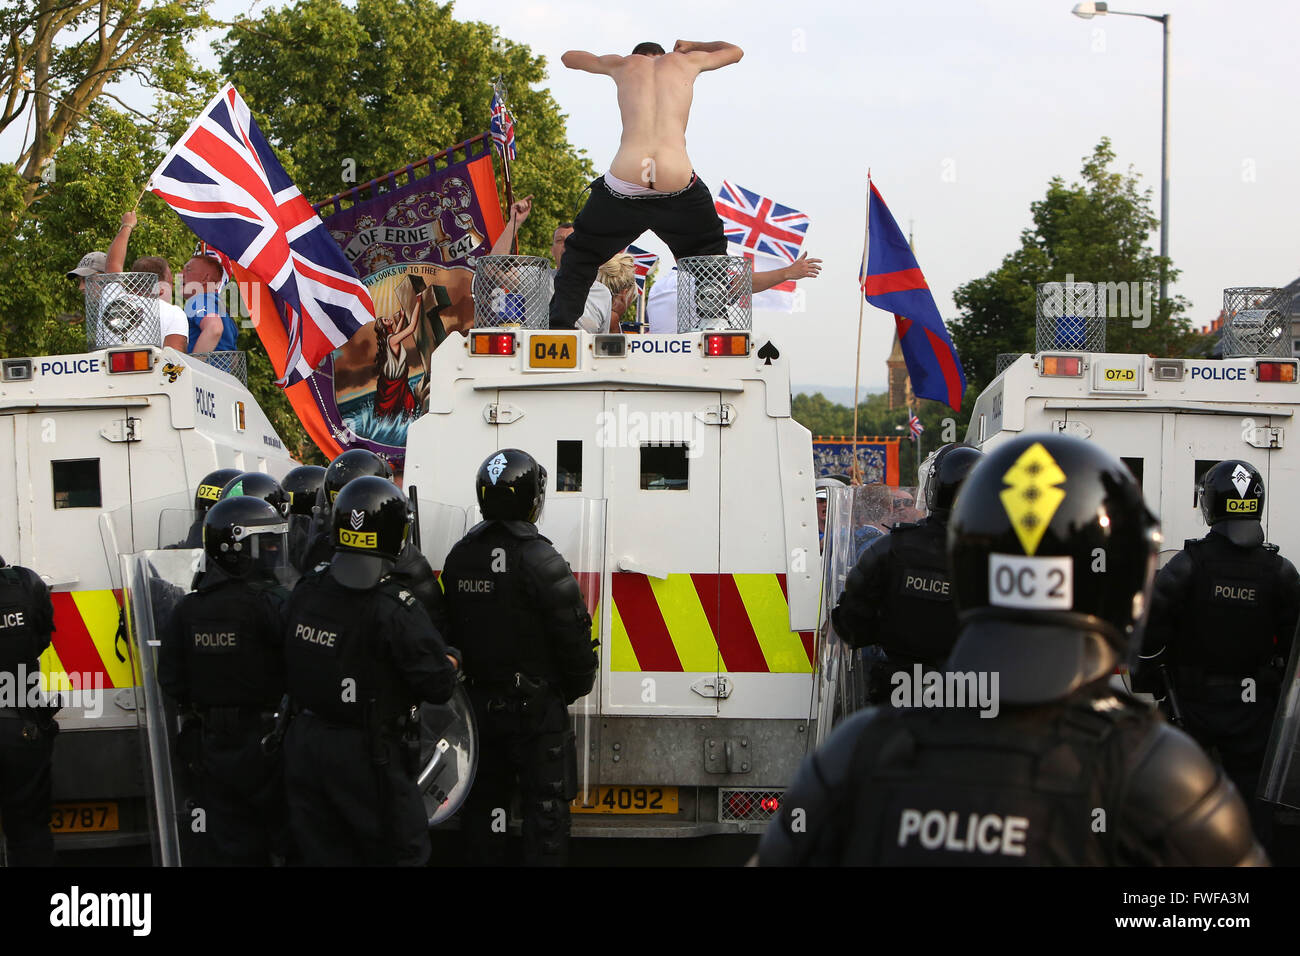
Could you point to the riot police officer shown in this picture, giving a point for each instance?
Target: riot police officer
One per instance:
(1223, 614)
(361, 654)
(27, 731)
(207, 494)
(354, 463)
(258, 484)
(302, 485)
(898, 597)
(1052, 551)
(221, 660)
(515, 608)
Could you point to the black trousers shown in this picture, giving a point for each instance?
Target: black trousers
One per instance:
(534, 751)
(344, 810)
(241, 791)
(25, 753)
(686, 220)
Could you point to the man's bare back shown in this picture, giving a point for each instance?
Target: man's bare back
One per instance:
(654, 98)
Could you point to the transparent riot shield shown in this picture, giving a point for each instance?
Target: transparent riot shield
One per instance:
(1279, 780)
(856, 516)
(576, 526)
(448, 732)
(153, 584)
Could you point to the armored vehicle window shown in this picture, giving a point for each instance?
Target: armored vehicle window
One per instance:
(568, 466)
(663, 467)
(76, 483)
(1202, 467)
(1135, 468)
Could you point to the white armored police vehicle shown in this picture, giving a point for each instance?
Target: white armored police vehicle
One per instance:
(97, 450)
(1168, 419)
(681, 492)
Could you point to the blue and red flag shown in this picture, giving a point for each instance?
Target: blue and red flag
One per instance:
(644, 262)
(892, 281)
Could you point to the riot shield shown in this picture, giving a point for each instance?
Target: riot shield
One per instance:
(448, 755)
(856, 516)
(576, 526)
(448, 732)
(1279, 781)
(153, 584)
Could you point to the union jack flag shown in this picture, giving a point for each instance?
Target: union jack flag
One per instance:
(645, 264)
(503, 125)
(222, 178)
(756, 222)
(914, 425)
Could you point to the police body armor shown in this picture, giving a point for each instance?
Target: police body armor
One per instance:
(225, 628)
(1229, 623)
(23, 629)
(331, 641)
(919, 623)
(1012, 792)
(509, 637)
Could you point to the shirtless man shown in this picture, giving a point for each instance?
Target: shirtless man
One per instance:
(650, 184)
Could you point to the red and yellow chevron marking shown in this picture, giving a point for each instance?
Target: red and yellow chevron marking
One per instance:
(83, 643)
(706, 622)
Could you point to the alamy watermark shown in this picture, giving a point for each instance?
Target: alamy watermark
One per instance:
(1112, 300)
(952, 689)
(622, 427)
(33, 689)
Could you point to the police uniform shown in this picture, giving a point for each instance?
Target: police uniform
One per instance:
(1223, 615)
(221, 660)
(1067, 772)
(515, 609)
(26, 733)
(361, 654)
(898, 596)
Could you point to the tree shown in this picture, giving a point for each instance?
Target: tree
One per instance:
(61, 57)
(1096, 230)
(345, 95)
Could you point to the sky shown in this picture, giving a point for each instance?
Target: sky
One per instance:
(963, 111)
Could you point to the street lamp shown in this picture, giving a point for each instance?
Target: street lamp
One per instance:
(1089, 9)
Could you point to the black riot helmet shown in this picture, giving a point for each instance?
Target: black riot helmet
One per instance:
(1232, 502)
(209, 490)
(352, 464)
(369, 531)
(1053, 551)
(511, 486)
(243, 535)
(257, 484)
(949, 467)
(301, 485)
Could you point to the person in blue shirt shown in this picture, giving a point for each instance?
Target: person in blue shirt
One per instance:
(211, 328)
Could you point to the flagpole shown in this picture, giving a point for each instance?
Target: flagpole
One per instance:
(862, 302)
(504, 150)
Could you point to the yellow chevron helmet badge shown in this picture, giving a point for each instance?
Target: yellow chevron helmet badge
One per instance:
(1031, 498)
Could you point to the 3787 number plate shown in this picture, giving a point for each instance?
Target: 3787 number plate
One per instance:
(627, 800)
(83, 817)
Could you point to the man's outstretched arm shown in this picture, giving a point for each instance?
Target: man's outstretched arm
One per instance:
(590, 63)
(716, 54)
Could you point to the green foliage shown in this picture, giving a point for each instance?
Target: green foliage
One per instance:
(1096, 230)
(391, 81)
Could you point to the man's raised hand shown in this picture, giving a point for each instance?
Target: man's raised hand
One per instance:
(804, 268)
(520, 211)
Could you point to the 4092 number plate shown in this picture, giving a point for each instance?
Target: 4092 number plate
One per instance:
(627, 800)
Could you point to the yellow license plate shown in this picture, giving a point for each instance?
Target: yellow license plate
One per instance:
(627, 800)
(553, 351)
(83, 817)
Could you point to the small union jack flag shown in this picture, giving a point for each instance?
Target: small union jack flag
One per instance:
(503, 125)
(914, 425)
(645, 264)
(224, 181)
(756, 222)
